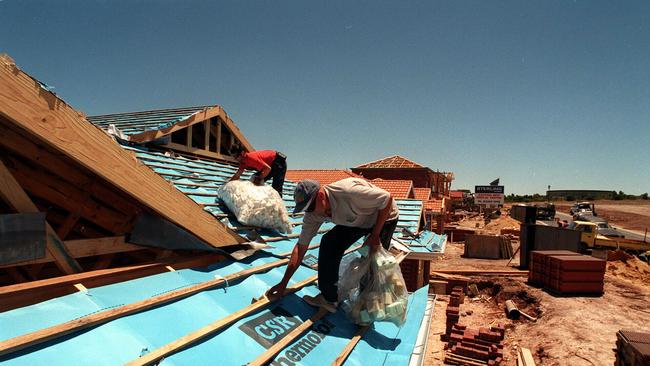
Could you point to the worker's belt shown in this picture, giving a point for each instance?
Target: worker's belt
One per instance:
(279, 155)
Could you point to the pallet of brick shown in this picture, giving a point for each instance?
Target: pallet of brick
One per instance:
(575, 274)
(539, 265)
(632, 348)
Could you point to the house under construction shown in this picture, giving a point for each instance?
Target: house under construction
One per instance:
(116, 249)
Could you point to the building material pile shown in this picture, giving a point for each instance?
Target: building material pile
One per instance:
(468, 346)
(372, 289)
(511, 233)
(488, 247)
(632, 348)
(566, 272)
(256, 206)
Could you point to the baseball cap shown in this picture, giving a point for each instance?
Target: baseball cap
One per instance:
(304, 194)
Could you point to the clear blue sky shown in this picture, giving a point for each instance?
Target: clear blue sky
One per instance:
(537, 93)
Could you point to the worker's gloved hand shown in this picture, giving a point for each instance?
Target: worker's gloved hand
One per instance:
(257, 180)
(276, 291)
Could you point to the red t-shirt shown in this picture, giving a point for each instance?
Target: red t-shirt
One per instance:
(257, 159)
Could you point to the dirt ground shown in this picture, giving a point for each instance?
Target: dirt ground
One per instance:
(630, 214)
(571, 331)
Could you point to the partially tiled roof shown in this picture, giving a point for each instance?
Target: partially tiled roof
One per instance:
(423, 194)
(399, 189)
(323, 176)
(394, 161)
(201, 179)
(434, 205)
(410, 214)
(133, 123)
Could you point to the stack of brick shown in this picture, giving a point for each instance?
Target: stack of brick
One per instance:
(632, 348)
(470, 346)
(456, 298)
(566, 272)
(540, 266)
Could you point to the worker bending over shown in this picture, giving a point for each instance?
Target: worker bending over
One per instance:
(268, 163)
(358, 208)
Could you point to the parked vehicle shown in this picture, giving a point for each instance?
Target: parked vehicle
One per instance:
(582, 207)
(602, 226)
(545, 211)
(591, 238)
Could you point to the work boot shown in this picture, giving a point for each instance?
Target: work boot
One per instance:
(320, 302)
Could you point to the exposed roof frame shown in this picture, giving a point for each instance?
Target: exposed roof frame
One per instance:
(198, 117)
(27, 103)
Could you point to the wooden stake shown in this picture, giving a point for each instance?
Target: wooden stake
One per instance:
(268, 355)
(211, 328)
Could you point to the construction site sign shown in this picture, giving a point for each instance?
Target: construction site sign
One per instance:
(488, 195)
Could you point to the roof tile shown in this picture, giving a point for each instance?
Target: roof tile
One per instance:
(423, 194)
(399, 189)
(433, 205)
(323, 176)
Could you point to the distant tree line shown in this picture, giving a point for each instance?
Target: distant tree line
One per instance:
(620, 195)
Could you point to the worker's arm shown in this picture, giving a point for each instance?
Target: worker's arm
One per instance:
(259, 178)
(373, 239)
(297, 255)
(310, 227)
(237, 174)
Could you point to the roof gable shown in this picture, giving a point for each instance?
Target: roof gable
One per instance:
(150, 125)
(394, 161)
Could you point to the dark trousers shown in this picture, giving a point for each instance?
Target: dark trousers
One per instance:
(332, 247)
(278, 172)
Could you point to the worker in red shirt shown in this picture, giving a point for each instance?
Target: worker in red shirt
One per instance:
(268, 163)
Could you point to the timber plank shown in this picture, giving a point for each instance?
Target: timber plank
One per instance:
(213, 327)
(82, 248)
(40, 113)
(270, 353)
(50, 333)
(350, 346)
(19, 295)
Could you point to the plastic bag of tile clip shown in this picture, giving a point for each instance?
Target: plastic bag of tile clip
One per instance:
(256, 205)
(372, 289)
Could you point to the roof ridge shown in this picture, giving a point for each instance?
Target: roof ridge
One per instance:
(391, 160)
(198, 107)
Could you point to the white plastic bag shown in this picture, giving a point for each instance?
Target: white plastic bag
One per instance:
(372, 288)
(256, 205)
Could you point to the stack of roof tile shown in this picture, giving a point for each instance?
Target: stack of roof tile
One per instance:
(468, 346)
(566, 272)
(632, 348)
